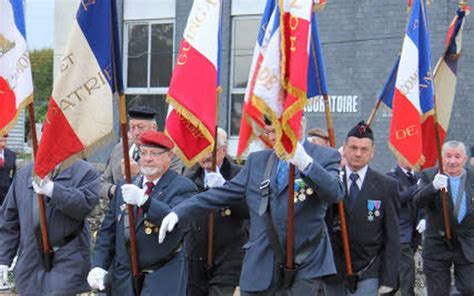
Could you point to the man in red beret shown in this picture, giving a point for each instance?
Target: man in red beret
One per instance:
(7, 167)
(152, 193)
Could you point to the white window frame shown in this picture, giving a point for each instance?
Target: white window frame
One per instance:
(234, 139)
(145, 90)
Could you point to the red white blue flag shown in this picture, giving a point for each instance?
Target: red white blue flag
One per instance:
(445, 78)
(413, 102)
(278, 80)
(16, 86)
(193, 89)
(80, 110)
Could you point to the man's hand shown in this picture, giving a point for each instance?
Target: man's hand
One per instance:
(133, 195)
(384, 290)
(421, 226)
(96, 277)
(4, 284)
(43, 186)
(301, 159)
(440, 182)
(134, 168)
(167, 225)
(214, 179)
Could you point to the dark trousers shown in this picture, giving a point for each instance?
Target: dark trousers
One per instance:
(438, 274)
(406, 276)
(300, 287)
(221, 290)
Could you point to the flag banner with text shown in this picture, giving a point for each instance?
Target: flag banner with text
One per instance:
(192, 94)
(16, 85)
(278, 80)
(445, 77)
(80, 111)
(412, 106)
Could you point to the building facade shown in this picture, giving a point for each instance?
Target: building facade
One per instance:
(360, 41)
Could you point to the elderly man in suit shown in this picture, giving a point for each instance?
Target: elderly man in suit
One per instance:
(438, 254)
(7, 167)
(69, 196)
(152, 194)
(263, 183)
(229, 233)
(411, 224)
(371, 211)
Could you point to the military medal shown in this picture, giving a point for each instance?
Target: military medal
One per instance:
(148, 230)
(123, 207)
(377, 208)
(227, 212)
(309, 191)
(370, 210)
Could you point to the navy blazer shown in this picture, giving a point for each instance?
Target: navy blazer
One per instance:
(371, 237)
(259, 259)
(410, 215)
(110, 247)
(434, 244)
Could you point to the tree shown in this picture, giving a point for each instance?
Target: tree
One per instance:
(42, 70)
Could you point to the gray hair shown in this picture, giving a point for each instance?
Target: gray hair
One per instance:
(454, 144)
(221, 137)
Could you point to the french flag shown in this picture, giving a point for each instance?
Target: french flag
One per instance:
(413, 102)
(80, 112)
(194, 84)
(251, 125)
(279, 75)
(16, 85)
(445, 78)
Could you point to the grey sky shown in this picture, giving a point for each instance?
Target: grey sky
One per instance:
(39, 16)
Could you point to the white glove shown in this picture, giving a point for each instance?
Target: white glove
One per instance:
(214, 179)
(440, 181)
(43, 186)
(133, 195)
(421, 226)
(384, 290)
(96, 277)
(301, 159)
(4, 283)
(167, 225)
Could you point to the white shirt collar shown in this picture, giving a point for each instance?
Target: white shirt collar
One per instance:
(362, 172)
(145, 180)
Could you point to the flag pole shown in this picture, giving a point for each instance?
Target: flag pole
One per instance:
(47, 251)
(332, 143)
(137, 276)
(212, 216)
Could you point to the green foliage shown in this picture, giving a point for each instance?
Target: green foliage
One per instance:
(42, 70)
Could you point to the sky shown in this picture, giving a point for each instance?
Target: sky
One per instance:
(39, 18)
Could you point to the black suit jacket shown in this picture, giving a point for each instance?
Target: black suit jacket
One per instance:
(410, 215)
(434, 245)
(229, 237)
(378, 238)
(7, 173)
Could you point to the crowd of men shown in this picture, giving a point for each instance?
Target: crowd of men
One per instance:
(208, 229)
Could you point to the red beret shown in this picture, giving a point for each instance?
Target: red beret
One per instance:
(156, 139)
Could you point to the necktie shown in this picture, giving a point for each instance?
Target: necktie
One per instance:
(455, 195)
(353, 190)
(282, 175)
(148, 191)
(2, 162)
(411, 178)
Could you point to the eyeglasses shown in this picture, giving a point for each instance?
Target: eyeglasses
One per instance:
(151, 154)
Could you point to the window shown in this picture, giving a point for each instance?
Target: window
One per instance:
(244, 36)
(148, 64)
